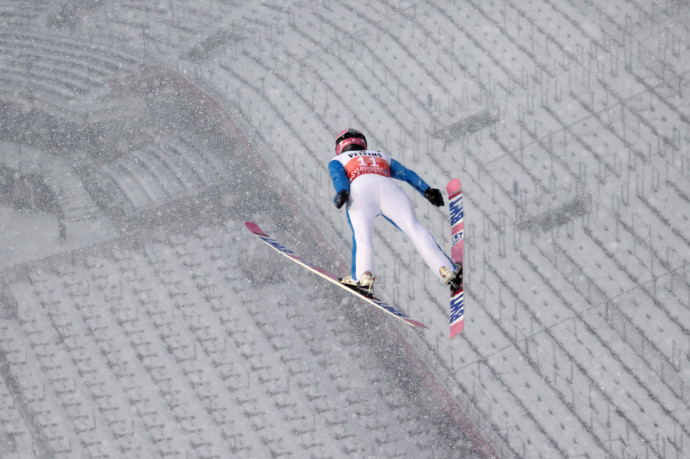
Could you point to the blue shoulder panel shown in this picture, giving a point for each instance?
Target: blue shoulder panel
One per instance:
(400, 172)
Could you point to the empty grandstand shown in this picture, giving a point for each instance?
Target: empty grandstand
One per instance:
(139, 319)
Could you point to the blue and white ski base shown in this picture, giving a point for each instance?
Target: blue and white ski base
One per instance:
(398, 314)
(457, 235)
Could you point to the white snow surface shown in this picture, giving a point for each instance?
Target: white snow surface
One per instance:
(158, 326)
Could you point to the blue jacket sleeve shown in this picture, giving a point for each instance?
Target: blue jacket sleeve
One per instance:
(400, 172)
(339, 177)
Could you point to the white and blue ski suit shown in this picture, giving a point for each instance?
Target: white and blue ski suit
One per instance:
(366, 175)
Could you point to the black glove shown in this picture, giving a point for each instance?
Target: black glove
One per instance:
(341, 198)
(434, 196)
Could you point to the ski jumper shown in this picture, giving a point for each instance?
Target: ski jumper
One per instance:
(367, 175)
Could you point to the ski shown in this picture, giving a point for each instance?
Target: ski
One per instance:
(457, 236)
(254, 228)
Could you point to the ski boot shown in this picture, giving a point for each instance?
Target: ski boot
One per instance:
(365, 285)
(452, 278)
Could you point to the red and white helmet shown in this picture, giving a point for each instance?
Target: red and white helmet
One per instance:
(350, 137)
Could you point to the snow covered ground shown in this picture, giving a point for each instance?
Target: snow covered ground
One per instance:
(150, 331)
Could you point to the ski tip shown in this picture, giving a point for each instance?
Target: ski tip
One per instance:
(253, 227)
(453, 185)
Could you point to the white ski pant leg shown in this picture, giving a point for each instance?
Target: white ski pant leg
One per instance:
(397, 207)
(373, 195)
(362, 210)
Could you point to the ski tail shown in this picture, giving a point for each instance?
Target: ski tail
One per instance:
(457, 312)
(457, 234)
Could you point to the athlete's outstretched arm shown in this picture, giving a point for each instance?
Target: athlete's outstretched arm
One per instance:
(400, 172)
(341, 183)
(339, 177)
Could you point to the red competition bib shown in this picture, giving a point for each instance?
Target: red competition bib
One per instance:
(361, 165)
